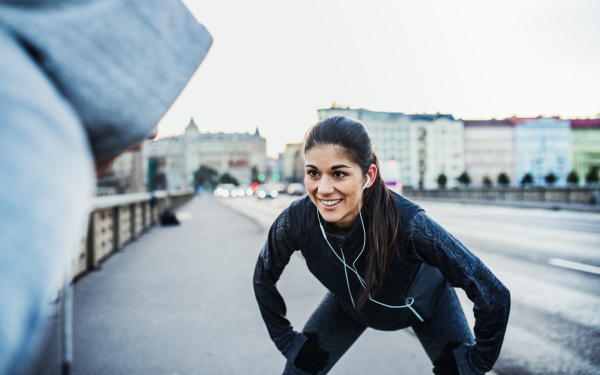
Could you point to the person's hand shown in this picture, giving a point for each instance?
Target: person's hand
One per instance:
(446, 363)
(311, 358)
(103, 166)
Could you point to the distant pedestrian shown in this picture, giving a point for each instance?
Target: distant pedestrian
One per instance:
(386, 264)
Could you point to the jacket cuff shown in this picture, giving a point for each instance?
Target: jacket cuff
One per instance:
(293, 345)
(464, 360)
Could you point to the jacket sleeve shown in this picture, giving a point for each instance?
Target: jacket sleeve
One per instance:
(428, 242)
(273, 258)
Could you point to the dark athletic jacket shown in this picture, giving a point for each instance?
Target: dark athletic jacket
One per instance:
(421, 241)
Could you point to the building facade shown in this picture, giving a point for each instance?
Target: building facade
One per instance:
(125, 176)
(543, 146)
(585, 144)
(178, 158)
(412, 149)
(490, 150)
(293, 163)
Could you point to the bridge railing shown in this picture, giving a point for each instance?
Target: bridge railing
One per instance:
(117, 220)
(590, 196)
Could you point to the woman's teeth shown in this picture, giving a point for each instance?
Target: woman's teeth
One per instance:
(331, 203)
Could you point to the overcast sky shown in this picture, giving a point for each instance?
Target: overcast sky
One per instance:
(274, 63)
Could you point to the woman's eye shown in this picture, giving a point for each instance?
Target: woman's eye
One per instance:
(312, 173)
(339, 174)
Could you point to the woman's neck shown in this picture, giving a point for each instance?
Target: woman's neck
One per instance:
(343, 228)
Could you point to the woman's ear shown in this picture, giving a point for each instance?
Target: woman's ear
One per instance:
(372, 173)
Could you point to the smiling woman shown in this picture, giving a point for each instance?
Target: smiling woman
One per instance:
(334, 183)
(386, 265)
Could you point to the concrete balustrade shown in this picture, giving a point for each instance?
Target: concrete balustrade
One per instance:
(116, 220)
(587, 196)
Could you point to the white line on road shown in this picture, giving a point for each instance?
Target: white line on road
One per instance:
(574, 265)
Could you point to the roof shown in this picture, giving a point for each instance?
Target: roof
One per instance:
(395, 115)
(588, 123)
(519, 120)
(426, 117)
(492, 122)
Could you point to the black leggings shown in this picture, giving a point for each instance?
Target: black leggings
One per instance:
(337, 331)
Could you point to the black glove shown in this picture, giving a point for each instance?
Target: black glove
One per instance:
(446, 363)
(311, 358)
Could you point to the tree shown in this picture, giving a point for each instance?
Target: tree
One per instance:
(527, 179)
(593, 176)
(503, 179)
(550, 178)
(487, 182)
(442, 180)
(573, 178)
(464, 179)
(226, 178)
(205, 176)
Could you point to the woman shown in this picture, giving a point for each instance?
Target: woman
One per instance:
(386, 265)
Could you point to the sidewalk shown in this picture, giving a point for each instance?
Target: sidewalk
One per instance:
(180, 301)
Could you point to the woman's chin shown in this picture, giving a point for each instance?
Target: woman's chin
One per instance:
(330, 216)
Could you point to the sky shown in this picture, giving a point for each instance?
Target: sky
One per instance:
(274, 63)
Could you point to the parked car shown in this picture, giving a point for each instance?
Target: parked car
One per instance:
(296, 189)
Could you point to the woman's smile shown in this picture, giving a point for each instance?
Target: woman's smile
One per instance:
(330, 204)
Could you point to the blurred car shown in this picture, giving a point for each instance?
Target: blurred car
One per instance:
(229, 190)
(296, 189)
(266, 191)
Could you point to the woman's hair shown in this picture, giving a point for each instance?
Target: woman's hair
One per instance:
(352, 138)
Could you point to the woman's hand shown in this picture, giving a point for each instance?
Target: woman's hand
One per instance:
(446, 364)
(311, 358)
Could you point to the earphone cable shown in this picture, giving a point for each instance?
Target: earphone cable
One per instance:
(408, 302)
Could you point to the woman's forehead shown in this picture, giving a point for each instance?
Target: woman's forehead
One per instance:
(327, 156)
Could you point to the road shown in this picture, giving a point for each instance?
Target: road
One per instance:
(554, 326)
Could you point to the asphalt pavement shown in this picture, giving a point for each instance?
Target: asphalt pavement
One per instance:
(550, 261)
(179, 300)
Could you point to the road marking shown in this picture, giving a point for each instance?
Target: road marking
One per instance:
(574, 265)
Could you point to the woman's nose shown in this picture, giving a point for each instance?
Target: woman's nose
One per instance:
(325, 186)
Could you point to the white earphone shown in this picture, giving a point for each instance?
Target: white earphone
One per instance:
(409, 301)
(366, 183)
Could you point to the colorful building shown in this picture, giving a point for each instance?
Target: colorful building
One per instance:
(490, 150)
(585, 145)
(543, 146)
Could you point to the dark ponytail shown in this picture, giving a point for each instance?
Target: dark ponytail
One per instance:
(352, 137)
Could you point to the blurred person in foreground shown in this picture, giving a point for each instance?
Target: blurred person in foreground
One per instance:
(80, 82)
(385, 263)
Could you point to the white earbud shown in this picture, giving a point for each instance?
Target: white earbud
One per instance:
(366, 183)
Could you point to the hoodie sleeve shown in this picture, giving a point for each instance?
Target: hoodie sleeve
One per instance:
(120, 64)
(428, 242)
(273, 258)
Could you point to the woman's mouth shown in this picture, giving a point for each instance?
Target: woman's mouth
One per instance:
(330, 203)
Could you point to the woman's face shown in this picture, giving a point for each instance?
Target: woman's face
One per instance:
(334, 184)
